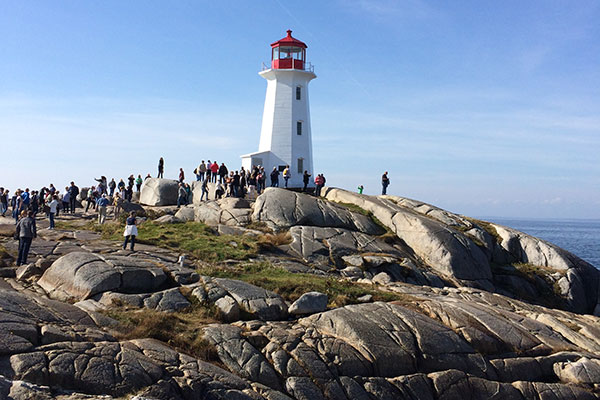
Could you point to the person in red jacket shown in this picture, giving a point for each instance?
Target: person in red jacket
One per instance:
(214, 168)
(181, 175)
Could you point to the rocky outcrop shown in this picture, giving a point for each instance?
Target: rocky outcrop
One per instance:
(80, 275)
(436, 340)
(230, 295)
(145, 367)
(462, 250)
(579, 282)
(159, 192)
(282, 209)
(228, 211)
(325, 246)
(465, 345)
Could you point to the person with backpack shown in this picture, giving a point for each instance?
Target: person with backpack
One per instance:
(25, 232)
(385, 182)
(131, 230)
(319, 183)
(26, 198)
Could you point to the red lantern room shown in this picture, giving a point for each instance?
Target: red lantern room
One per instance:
(288, 53)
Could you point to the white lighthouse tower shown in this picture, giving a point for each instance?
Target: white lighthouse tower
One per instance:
(285, 136)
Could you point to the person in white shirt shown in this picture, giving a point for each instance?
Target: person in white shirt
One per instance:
(53, 208)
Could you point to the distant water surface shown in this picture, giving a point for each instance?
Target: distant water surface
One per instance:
(580, 237)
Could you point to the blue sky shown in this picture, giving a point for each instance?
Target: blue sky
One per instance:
(483, 108)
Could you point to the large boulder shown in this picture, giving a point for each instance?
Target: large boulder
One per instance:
(80, 275)
(228, 211)
(579, 281)
(282, 209)
(446, 250)
(159, 192)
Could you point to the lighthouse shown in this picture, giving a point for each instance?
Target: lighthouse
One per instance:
(285, 135)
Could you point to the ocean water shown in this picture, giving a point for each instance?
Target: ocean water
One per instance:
(580, 237)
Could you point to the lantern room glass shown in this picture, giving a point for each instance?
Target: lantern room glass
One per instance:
(282, 53)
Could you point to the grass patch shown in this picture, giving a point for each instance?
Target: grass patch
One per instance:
(271, 241)
(180, 330)
(259, 226)
(4, 254)
(291, 286)
(486, 226)
(538, 276)
(362, 211)
(193, 238)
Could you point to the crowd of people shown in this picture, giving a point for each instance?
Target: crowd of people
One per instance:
(26, 205)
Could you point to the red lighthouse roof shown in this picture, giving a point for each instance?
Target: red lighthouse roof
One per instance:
(289, 41)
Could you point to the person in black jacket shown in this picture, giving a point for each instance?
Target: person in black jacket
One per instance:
(161, 167)
(73, 192)
(305, 179)
(223, 172)
(25, 232)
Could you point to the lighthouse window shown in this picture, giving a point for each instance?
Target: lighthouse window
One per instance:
(301, 165)
(298, 93)
(276, 53)
(299, 127)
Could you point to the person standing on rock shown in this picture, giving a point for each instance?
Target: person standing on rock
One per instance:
(73, 192)
(360, 189)
(131, 230)
(118, 204)
(181, 195)
(66, 200)
(161, 167)
(305, 178)
(214, 168)
(204, 188)
(91, 199)
(3, 201)
(101, 204)
(202, 170)
(112, 185)
(385, 182)
(26, 231)
(319, 182)
(181, 175)
(287, 175)
(223, 172)
(209, 170)
(138, 183)
(53, 210)
(275, 177)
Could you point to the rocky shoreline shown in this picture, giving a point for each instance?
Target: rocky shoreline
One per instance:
(438, 306)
